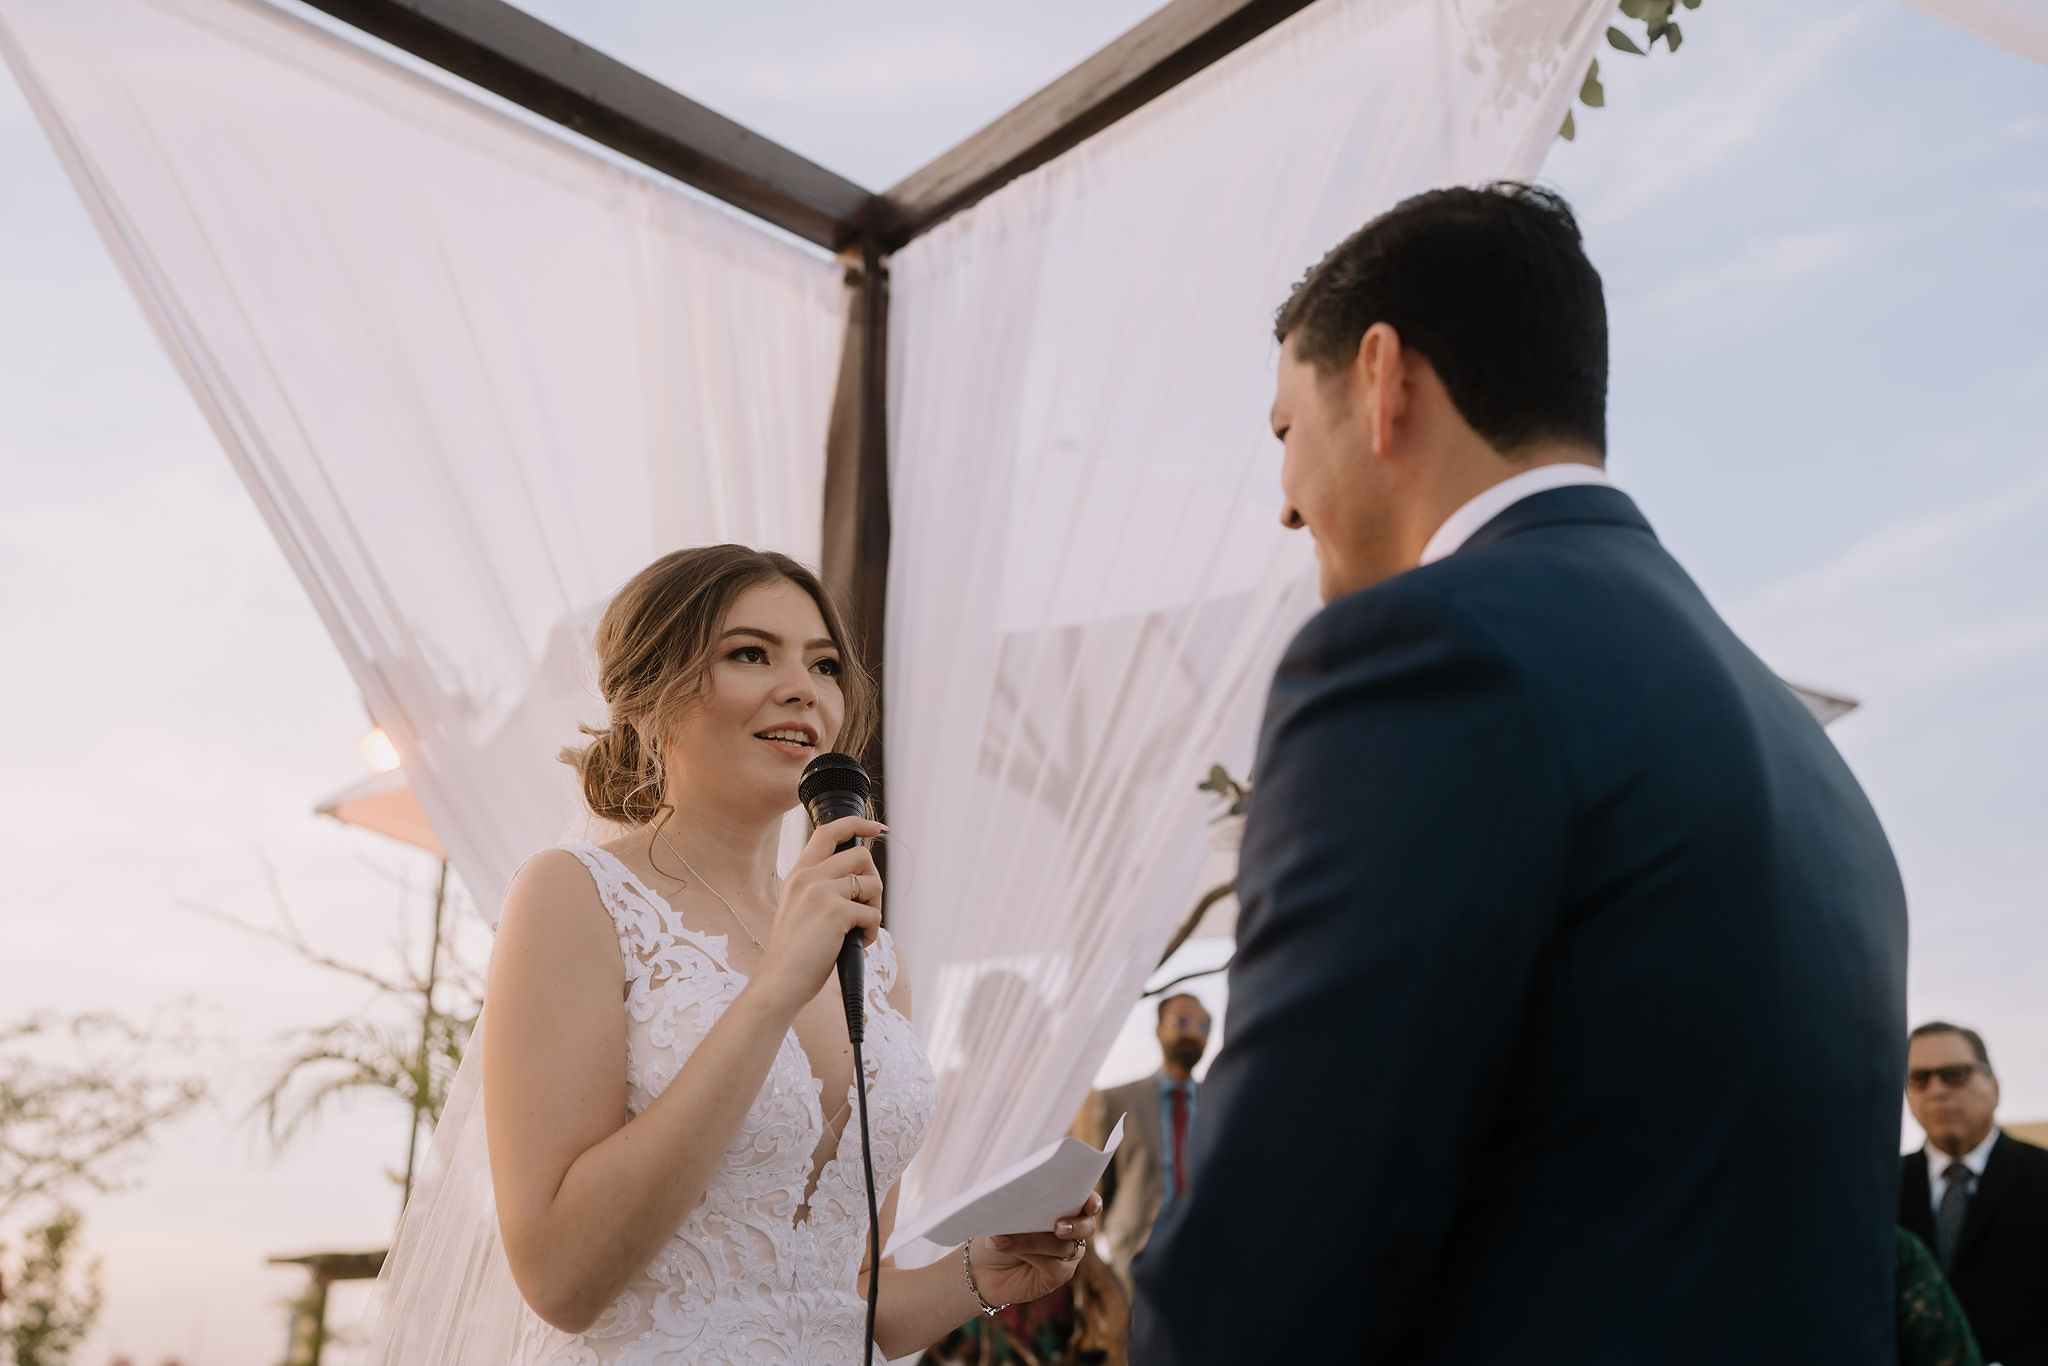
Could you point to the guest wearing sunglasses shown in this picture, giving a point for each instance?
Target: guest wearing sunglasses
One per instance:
(1978, 1197)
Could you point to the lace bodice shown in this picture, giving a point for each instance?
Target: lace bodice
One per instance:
(764, 1269)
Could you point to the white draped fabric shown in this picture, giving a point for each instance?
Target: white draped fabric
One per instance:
(474, 375)
(1089, 585)
(2019, 26)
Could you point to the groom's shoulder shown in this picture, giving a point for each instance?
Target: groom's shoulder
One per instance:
(1437, 605)
(1510, 597)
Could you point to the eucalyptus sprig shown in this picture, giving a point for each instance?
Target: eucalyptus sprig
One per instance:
(1659, 25)
(1237, 796)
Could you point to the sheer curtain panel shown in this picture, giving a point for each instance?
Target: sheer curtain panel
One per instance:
(474, 374)
(2019, 26)
(1089, 585)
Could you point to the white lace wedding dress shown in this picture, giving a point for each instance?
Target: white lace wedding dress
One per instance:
(764, 1268)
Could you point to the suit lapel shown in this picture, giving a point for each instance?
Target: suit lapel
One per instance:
(1144, 1112)
(1916, 1199)
(2000, 1172)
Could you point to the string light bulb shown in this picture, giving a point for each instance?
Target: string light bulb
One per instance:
(378, 751)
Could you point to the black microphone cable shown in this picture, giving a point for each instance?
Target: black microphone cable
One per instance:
(835, 786)
(867, 1163)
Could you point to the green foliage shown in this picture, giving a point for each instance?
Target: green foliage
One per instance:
(1592, 94)
(1235, 793)
(1237, 799)
(77, 1096)
(1658, 25)
(1621, 42)
(1655, 16)
(51, 1302)
(413, 1057)
(415, 1063)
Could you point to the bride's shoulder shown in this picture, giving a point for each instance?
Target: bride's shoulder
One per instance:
(559, 866)
(554, 885)
(555, 939)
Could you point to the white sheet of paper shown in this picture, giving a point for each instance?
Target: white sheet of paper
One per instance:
(1028, 1196)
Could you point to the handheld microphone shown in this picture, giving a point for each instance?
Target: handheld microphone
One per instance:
(835, 786)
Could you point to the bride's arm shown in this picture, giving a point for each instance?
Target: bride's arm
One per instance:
(585, 1198)
(919, 1307)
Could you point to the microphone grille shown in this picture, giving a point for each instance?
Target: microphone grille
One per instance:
(833, 772)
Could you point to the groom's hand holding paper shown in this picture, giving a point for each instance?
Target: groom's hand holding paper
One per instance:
(1029, 1196)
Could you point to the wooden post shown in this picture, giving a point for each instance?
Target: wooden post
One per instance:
(855, 551)
(309, 1324)
(308, 1340)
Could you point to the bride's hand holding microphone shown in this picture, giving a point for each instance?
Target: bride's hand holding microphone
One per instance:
(825, 896)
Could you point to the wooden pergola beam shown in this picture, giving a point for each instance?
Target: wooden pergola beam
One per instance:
(512, 54)
(854, 556)
(1171, 45)
(337, 1266)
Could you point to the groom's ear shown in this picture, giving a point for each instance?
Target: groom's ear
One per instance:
(1381, 388)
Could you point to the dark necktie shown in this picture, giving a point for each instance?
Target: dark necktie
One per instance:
(1948, 1220)
(1179, 1096)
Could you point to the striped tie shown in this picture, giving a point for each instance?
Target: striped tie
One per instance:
(1948, 1220)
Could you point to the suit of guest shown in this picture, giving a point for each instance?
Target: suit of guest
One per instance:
(1564, 1022)
(1999, 1267)
(1134, 1185)
(1150, 1168)
(1977, 1196)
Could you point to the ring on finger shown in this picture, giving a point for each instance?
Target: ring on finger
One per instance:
(855, 879)
(1079, 1247)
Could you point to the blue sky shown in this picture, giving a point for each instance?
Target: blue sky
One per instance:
(1819, 226)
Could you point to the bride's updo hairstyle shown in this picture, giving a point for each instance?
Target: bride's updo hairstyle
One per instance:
(654, 647)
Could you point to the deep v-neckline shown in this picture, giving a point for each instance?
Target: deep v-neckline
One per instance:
(714, 947)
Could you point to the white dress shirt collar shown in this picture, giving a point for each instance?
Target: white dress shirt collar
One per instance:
(1938, 1162)
(1491, 503)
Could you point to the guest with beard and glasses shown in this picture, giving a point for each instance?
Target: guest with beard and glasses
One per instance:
(1977, 1196)
(1150, 1170)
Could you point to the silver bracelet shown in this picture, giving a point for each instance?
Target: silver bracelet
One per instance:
(967, 1270)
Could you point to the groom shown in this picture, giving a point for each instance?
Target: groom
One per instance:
(1564, 1024)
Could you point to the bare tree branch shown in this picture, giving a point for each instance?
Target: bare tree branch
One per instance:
(76, 1096)
(290, 938)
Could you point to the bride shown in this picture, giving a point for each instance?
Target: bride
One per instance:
(667, 1083)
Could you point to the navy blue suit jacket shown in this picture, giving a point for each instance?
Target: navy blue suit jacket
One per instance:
(1567, 1020)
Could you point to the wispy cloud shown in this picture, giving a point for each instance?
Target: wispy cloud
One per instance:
(1686, 139)
(1906, 548)
(1970, 650)
(1756, 277)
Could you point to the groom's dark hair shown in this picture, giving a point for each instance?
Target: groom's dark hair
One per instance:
(1493, 287)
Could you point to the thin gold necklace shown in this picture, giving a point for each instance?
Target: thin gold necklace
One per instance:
(662, 835)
